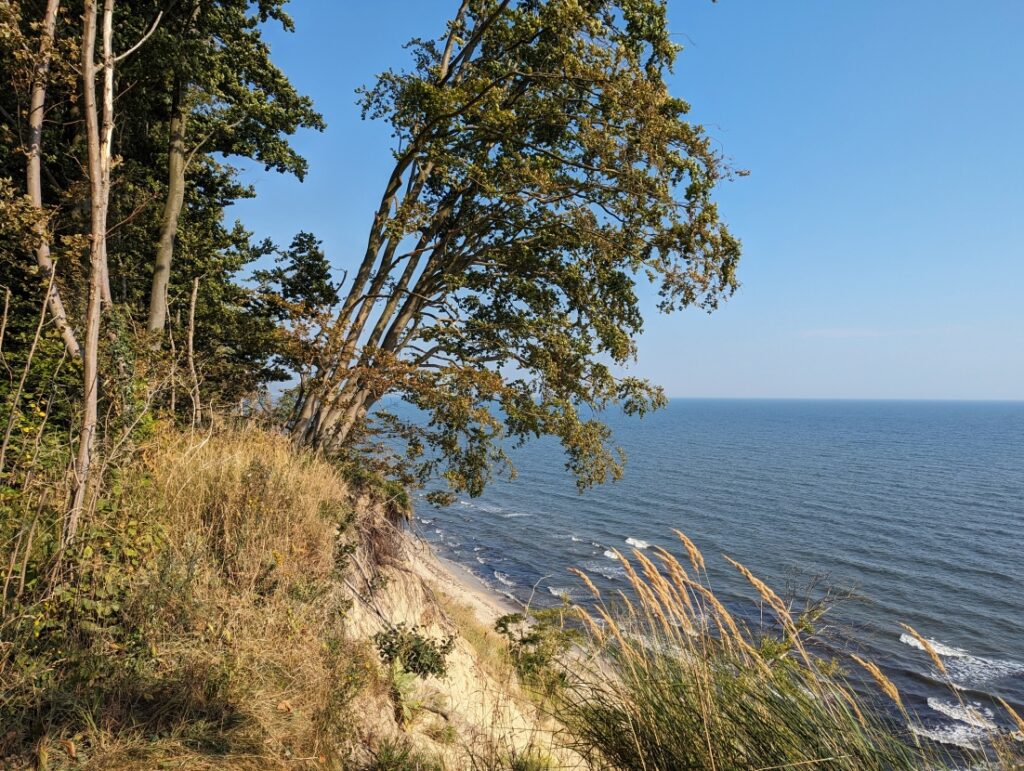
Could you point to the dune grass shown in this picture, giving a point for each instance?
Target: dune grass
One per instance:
(669, 679)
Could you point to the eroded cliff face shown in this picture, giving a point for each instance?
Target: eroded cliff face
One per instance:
(476, 715)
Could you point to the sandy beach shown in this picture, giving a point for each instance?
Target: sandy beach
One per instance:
(459, 583)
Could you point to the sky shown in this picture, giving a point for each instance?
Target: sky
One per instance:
(882, 221)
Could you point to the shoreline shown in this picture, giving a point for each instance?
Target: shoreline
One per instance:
(459, 582)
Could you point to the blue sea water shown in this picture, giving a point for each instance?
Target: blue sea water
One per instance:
(917, 506)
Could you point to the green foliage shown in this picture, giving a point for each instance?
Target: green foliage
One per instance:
(396, 755)
(415, 653)
(543, 174)
(83, 629)
(537, 644)
(207, 62)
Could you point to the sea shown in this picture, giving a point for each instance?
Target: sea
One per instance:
(911, 510)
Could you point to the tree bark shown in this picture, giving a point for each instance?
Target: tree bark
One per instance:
(172, 212)
(197, 407)
(98, 138)
(33, 173)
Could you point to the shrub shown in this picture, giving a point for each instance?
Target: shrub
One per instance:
(417, 654)
(536, 644)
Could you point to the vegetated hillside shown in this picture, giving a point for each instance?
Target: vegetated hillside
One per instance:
(235, 603)
(220, 611)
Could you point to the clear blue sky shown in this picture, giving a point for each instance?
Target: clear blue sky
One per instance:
(883, 221)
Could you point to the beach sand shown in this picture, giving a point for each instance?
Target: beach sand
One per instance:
(459, 583)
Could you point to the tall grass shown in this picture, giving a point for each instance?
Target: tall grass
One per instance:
(669, 679)
(198, 618)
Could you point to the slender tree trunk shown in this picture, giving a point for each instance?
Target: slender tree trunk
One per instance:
(98, 138)
(172, 212)
(33, 172)
(197, 407)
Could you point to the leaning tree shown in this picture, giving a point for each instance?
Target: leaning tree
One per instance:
(542, 172)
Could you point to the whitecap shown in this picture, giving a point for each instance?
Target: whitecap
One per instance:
(610, 554)
(481, 560)
(560, 591)
(611, 572)
(637, 543)
(504, 578)
(956, 734)
(964, 670)
(575, 539)
(940, 648)
(973, 714)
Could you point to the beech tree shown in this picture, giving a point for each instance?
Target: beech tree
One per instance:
(542, 171)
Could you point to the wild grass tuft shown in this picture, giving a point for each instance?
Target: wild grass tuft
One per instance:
(669, 679)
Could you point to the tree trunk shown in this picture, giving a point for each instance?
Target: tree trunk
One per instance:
(99, 139)
(172, 213)
(197, 407)
(33, 173)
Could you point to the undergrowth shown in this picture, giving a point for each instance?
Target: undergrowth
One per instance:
(198, 616)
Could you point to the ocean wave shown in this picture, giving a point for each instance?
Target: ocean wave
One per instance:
(637, 543)
(611, 572)
(425, 521)
(560, 591)
(575, 539)
(610, 554)
(490, 508)
(940, 648)
(956, 734)
(972, 714)
(967, 671)
(481, 560)
(504, 578)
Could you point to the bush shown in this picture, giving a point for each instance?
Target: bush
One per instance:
(415, 653)
(537, 644)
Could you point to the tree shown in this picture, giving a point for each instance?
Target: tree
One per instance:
(33, 171)
(225, 96)
(542, 170)
(99, 130)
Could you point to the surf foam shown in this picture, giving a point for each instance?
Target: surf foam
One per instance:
(972, 714)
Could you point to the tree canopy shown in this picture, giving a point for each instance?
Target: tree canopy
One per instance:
(542, 174)
(542, 171)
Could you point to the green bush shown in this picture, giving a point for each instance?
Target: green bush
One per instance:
(415, 653)
(536, 645)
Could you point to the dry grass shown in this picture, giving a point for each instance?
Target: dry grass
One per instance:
(228, 649)
(678, 683)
